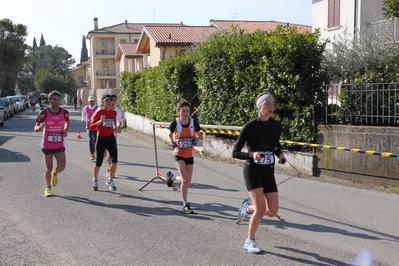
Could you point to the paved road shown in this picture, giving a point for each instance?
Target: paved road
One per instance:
(323, 223)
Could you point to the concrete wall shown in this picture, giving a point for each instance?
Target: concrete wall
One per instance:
(353, 165)
(330, 162)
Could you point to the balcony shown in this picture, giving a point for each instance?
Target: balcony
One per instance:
(105, 72)
(389, 28)
(105, 51)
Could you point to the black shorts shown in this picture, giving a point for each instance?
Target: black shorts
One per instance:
(106, 143)
(188, 161)
(259, 176)
(52, 151)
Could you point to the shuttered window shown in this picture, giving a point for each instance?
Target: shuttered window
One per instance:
(333, 13)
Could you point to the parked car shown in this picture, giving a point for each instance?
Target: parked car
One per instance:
(1, 117)
(25, 100)
(5, 106)
(13, 106)
(18, 103)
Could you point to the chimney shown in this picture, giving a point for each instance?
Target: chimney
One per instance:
(95, 23)
(126, 23)
(170, 36)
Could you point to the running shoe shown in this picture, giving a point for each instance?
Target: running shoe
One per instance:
(242, 212)
(251, 246)
(92, 157)
(95, 185)
(47, 192)
(110, 183)
(169, 181)
(187, 209)
(54, 179)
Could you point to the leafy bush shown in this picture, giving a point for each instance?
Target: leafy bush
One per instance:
(228, 72)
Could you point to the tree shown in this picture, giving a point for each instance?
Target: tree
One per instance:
(46, 82)
(42, 41)
(13, 54)
(34, 43)
(84, 56)
(52, 59)
(391, 9)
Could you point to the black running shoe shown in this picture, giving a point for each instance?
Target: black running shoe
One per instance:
(169, 181)
(186, 209)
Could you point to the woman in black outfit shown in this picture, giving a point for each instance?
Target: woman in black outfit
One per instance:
(262, 136)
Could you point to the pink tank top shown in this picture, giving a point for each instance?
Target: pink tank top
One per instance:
(52, 134)
(89, 114)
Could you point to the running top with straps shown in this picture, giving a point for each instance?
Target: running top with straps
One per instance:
(184, 135)
(89, 111)
(54, 127)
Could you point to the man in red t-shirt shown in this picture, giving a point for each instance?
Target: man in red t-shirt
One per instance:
(104, 120)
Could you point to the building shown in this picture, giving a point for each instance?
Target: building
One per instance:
(334, 17)
(104, 44)
(135, 46)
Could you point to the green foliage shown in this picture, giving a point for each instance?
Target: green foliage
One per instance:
(13, 54)
(228, 72)
(235, 68)
(42, 41)
(155, 92)
(84, 54)
(52, 59)
(46, 82)
(369, 57)
(391, 8)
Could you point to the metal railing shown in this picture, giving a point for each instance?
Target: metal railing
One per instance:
(362, 104)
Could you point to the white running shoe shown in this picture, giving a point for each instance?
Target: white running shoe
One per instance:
(251, 246)
(110, 183)
(242, 212)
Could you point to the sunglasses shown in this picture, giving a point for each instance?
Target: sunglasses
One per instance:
(108, 100)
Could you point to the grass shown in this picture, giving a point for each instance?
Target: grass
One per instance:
(392, 187)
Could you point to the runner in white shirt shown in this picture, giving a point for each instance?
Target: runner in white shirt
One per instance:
(87, 113)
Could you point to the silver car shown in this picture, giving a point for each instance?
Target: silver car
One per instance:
(18, 102)
(1, 117)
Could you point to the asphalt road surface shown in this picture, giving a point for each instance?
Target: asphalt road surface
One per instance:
(322, 223)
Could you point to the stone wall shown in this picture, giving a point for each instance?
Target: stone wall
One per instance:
(354, 165)
(330, 162)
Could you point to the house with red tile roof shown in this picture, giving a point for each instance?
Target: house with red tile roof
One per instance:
(161, 42)
(252, 26)
(104, 44)
(135, 46)
(129, 60)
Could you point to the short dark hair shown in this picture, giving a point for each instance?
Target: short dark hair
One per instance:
(53, 93)
(182, 103)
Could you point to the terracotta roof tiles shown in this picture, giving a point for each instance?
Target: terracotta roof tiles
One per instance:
(179, 34)
(252, 26)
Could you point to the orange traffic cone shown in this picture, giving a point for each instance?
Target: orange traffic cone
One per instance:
(78, 136)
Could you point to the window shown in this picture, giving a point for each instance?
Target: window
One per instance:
(333, 14)
(180, 51)
(104, 46)
(123, 41)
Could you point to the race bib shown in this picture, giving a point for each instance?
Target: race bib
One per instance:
(186, 143)
(268, 158)
(54, 137)
(108, 123)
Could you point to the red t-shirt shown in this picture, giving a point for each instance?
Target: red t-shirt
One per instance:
(106, 128)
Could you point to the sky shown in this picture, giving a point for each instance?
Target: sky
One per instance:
(64, 23)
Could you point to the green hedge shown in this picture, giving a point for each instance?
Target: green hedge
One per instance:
(228, 72)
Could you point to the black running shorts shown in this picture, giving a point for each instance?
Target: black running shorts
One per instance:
(188, 161)
(259, 176)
